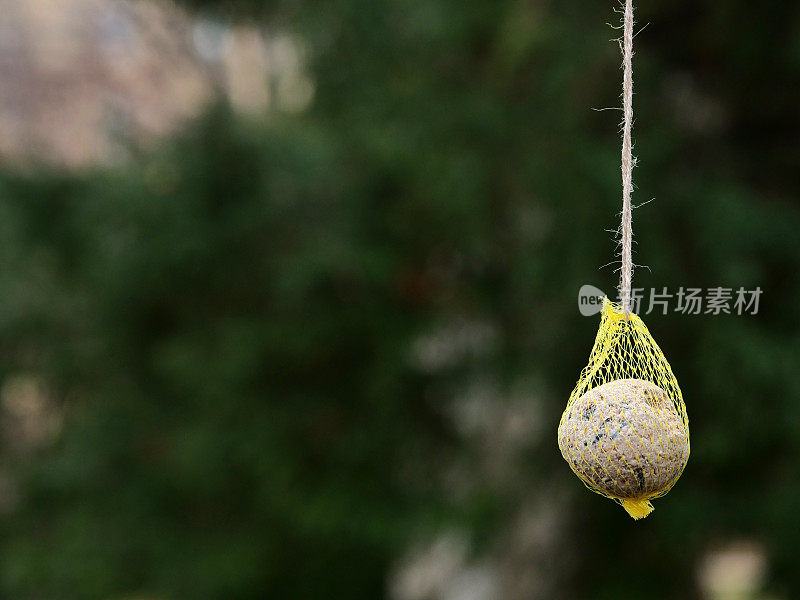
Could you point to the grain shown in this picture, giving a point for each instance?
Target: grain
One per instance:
(625, 439)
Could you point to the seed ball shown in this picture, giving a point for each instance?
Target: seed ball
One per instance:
(625, 439)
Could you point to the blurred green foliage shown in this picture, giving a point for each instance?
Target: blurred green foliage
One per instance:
(230, 324)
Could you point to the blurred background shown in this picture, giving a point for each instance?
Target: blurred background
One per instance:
(288, 296)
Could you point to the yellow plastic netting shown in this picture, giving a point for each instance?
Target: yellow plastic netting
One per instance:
(625, 432)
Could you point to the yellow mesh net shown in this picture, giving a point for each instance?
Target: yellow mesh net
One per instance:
(625, 432)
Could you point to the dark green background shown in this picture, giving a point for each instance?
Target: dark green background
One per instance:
(233, 341)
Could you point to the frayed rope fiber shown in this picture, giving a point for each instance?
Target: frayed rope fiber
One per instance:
(628, 162)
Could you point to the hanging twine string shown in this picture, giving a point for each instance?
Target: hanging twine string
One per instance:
(628, 161)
